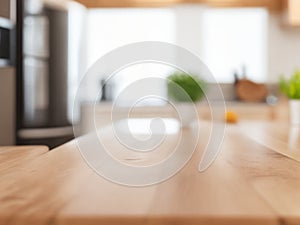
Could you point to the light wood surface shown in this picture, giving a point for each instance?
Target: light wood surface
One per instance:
(10, 156)
(291, 10)
(273, 5)
(249, 183)
(270, 4)
(276, 178)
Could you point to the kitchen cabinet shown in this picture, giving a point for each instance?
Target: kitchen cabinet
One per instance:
(271, 4)
(128, 3)
(291, 12)
(7, 108)
(7, 9)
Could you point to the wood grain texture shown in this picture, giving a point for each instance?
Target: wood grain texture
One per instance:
(276, 178)
(128, 3)
(10, 156)
(291, 14)
(59, 188)
(274, 5)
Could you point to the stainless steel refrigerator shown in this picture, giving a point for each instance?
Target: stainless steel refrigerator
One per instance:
(51, 45)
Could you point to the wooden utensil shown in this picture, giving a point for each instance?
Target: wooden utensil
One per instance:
(250, 91)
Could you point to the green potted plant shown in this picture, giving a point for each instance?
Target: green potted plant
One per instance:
(185, 90)
(291, 88)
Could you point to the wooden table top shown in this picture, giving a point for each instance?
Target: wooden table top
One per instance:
(249, 183)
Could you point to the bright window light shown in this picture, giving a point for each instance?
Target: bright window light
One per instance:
(233, 38)
(112, 28)
(229, 38)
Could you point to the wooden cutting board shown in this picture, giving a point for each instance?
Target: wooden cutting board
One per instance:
(250, 91)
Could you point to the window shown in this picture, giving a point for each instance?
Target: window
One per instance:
(233, 38)
(225, 39)
(112, 28)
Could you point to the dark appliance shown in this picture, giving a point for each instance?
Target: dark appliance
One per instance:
(44, 91)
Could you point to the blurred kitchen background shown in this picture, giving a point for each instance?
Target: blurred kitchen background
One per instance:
(46, 47)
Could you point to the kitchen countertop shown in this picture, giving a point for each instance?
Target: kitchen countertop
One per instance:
(249, 183)
(11, 156)
(103, 111)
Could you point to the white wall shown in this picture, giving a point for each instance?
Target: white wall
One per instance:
(284, 48)
(189, 32)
